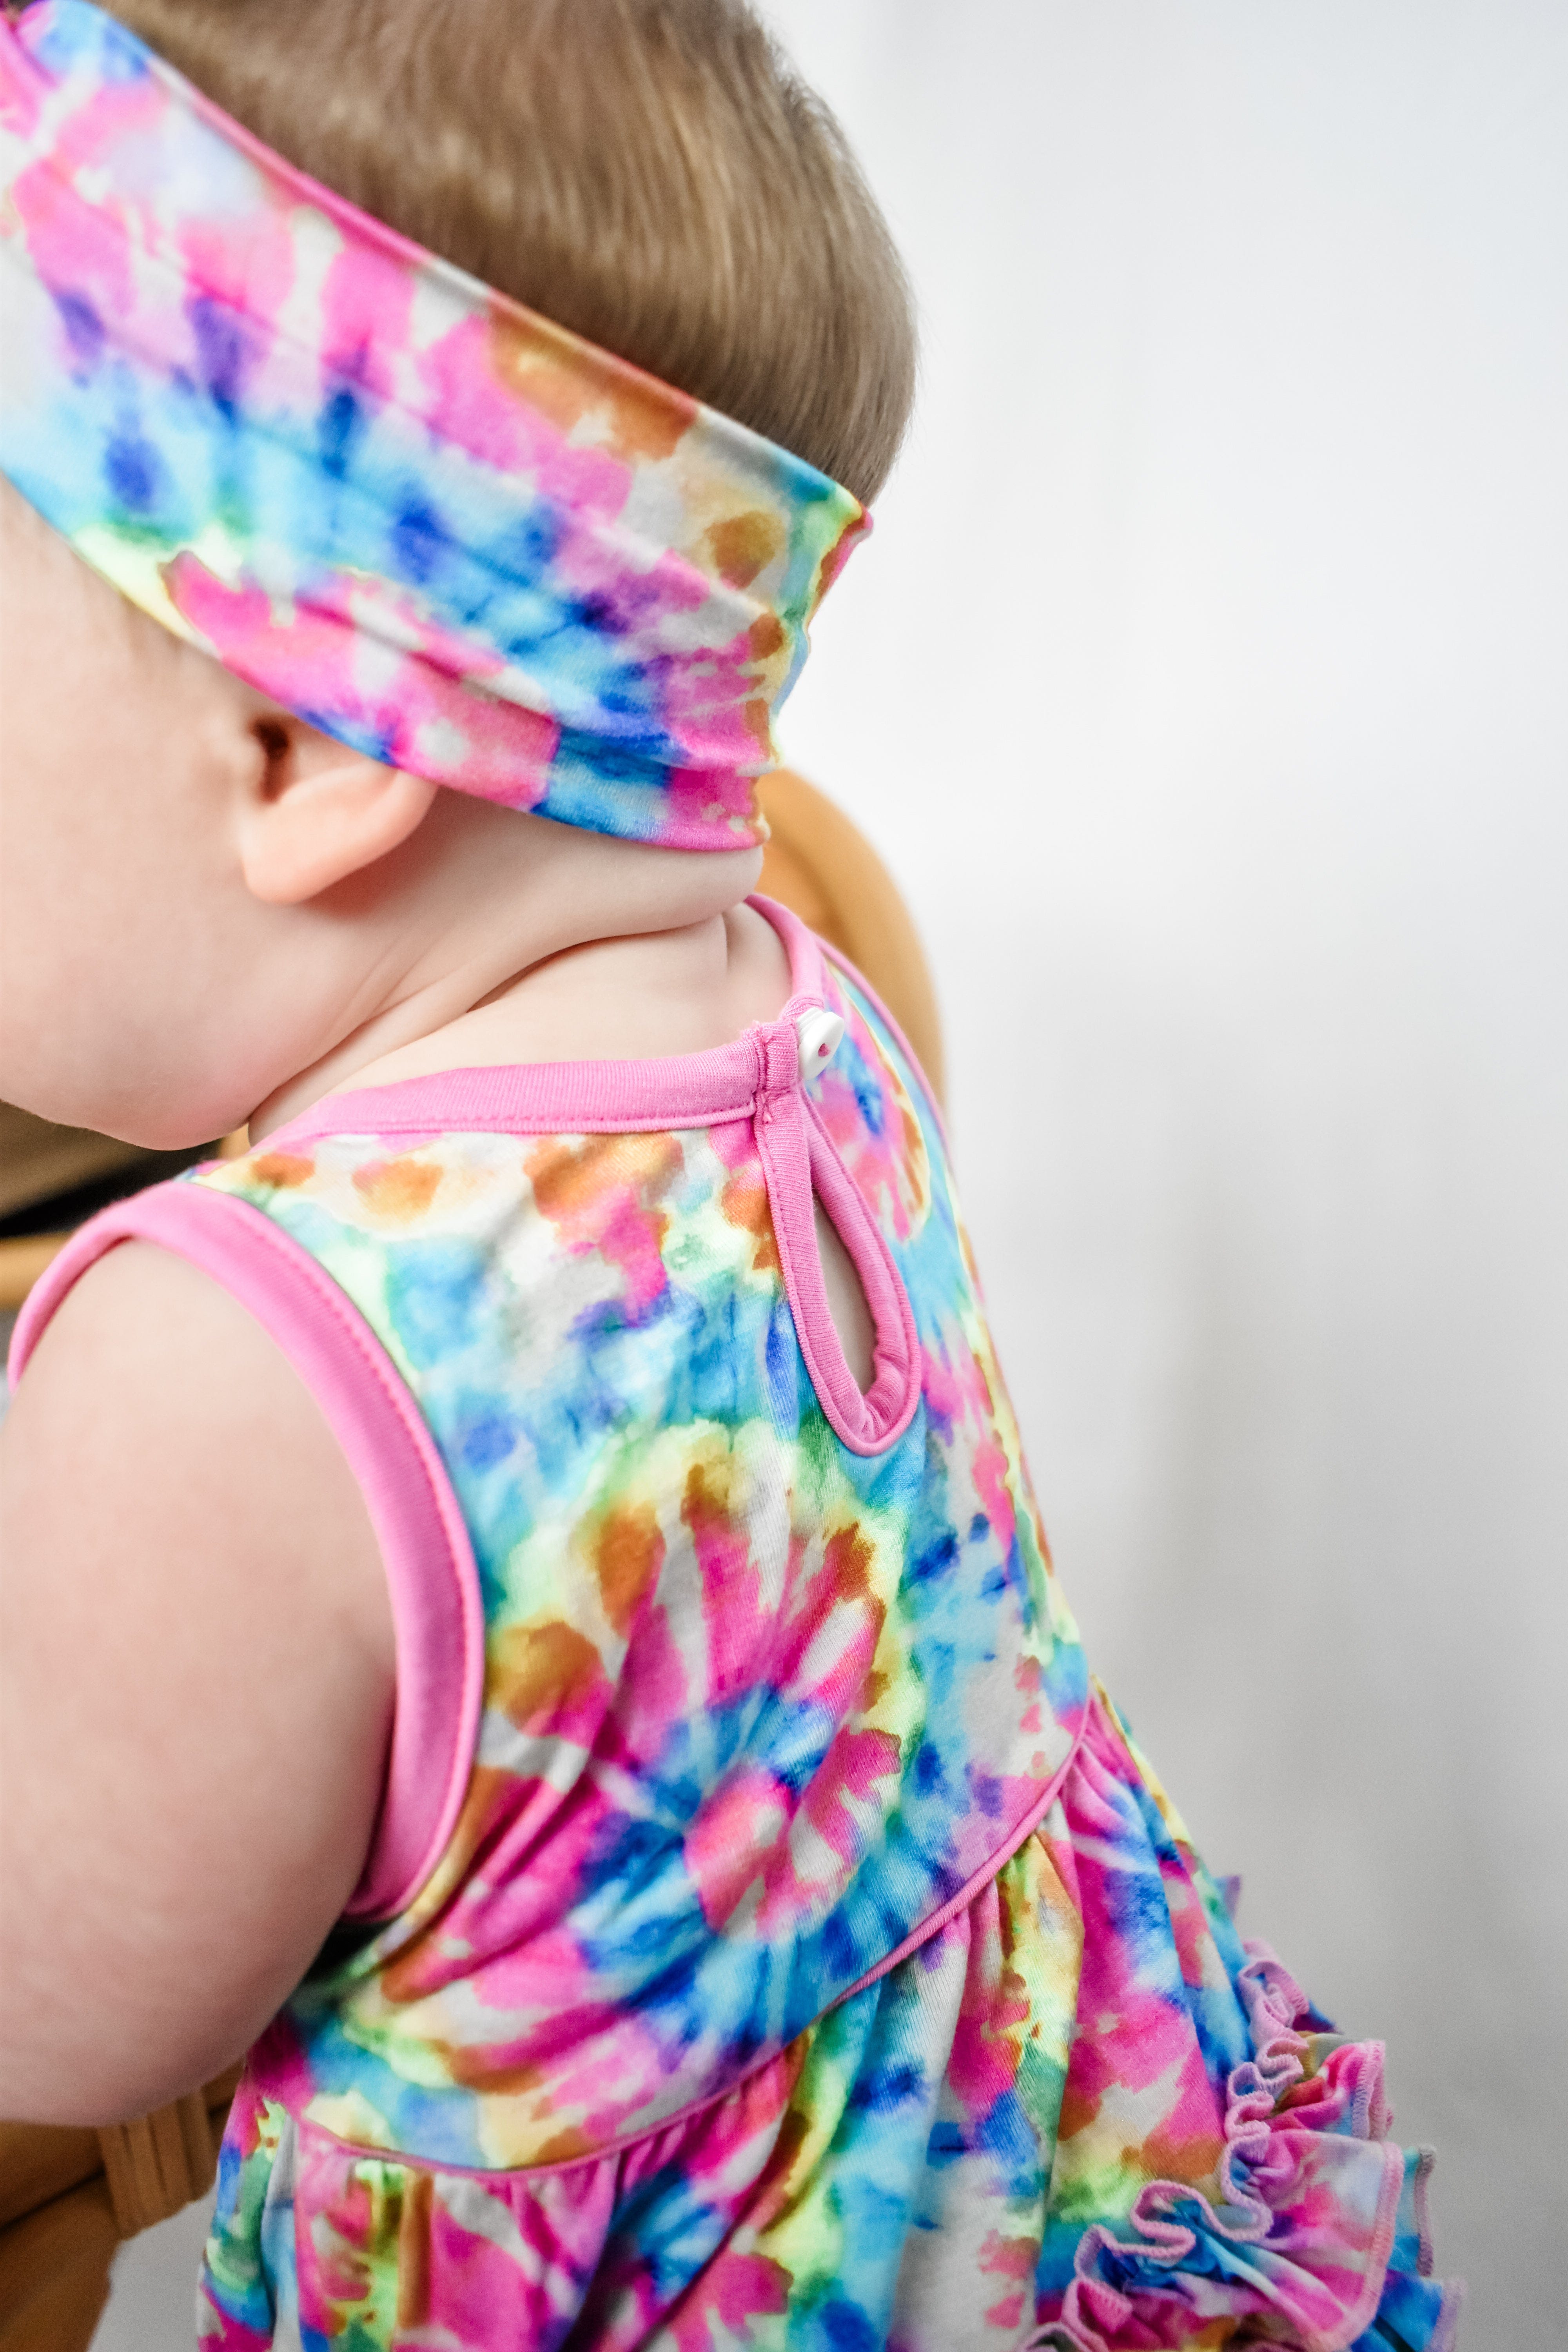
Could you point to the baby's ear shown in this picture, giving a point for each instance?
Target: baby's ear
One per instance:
(313, 812)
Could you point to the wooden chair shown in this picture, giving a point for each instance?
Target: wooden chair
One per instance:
(823, 867)
(68, 2197)
(40, 1164)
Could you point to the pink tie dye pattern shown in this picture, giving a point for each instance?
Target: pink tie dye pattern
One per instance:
(812, 1960)
(437, 526)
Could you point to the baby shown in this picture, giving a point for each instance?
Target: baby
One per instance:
(525, 1611)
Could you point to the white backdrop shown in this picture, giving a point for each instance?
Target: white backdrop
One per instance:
(1205, 685)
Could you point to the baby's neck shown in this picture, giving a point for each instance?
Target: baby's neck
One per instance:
(601, 956)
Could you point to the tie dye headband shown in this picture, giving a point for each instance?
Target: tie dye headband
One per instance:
(439, 528)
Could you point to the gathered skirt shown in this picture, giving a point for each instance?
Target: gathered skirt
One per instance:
(1082, 2116)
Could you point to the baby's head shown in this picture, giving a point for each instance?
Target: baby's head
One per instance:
(204, 888)
(650, 173)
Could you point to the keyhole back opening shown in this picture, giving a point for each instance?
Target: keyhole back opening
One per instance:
(847, 1301)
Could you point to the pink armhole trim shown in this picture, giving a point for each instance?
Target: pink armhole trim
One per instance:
(432, 1579)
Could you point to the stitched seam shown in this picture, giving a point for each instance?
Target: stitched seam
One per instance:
(1016, 1837)
(863, 1431)
(562, 1120)
(895, 1422)
(304, 1269)
(802, 951)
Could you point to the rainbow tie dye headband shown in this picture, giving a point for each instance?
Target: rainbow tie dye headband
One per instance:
(436, 526)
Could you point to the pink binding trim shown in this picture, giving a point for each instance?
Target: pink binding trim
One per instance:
(437, 1612)
(671, 1090)
(545, 1099)
(757, 1077)
(432, 1579)
(798, 1160)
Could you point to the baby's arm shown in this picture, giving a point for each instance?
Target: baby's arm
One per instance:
(197, 1663)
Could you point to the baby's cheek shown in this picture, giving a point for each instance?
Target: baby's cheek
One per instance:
(113, 919)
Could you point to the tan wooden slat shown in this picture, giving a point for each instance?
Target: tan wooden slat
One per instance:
(135, 2182)
(22, 1261)
(39, 1158)
(823, 869)
(54, 2272)
(41, 2161)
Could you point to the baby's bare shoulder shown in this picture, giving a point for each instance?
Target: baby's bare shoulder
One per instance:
(196, 1654)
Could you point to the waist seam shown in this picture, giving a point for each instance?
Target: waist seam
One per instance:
(1017, 1837)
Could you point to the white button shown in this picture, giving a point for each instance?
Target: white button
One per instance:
(819, 1033)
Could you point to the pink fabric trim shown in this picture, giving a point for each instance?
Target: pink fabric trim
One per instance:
(867, 1423)
(544, 1098)
(578, 1097)
(1446, 2335)
(798, 1160)
(432, 1579)
(757, 1077)
(804, 949)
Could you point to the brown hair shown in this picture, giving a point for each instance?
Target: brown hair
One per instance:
(650, 172)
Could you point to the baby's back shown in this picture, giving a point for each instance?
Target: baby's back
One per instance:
(767, 1937)
(740, 1681)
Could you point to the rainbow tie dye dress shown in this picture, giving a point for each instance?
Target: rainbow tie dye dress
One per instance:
(772, 1937)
